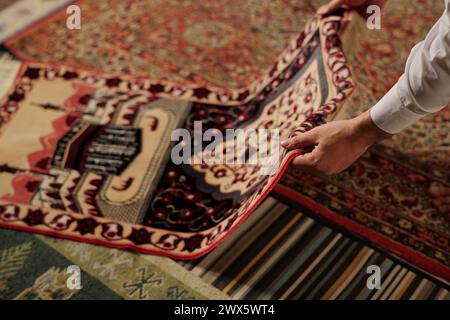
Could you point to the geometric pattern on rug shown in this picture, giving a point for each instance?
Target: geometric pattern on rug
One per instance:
(236, 267)
(384, 196)
(426, 140)
(210, 43)
(34, 267)
(16, 15)
(89, 169)
(280, 253)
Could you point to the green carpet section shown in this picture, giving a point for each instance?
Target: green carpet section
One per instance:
(36, 267)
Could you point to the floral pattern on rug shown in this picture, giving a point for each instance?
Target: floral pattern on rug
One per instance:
(227, 44)
(89, 167)
(384, 196)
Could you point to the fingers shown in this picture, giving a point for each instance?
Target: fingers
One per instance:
(307, 160)
(303, 140)
(316, 161)
(311, 162)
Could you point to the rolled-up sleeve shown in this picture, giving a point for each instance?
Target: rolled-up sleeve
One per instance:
(425, 85)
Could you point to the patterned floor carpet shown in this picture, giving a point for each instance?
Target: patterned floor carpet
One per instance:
(82, 143)
(253, 276)
(287, 255)
(384, 197)
(280, 253)
(221, 43)
(417, 234)
(36, 267)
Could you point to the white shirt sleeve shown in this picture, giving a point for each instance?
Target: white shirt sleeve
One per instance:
(424, 87)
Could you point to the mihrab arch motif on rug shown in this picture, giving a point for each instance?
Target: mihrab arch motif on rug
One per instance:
(85, 156)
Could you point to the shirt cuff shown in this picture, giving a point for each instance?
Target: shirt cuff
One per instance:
(391, 113)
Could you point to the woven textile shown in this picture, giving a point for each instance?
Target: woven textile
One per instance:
(35, 267)
(279, 252)
(17, 15)
(384, 196)
(87, 151)
(219, 43)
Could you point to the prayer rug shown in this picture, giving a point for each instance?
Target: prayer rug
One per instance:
(383, 198)
(219, 43)
(86, 151)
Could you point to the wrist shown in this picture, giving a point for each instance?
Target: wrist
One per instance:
(366, 129)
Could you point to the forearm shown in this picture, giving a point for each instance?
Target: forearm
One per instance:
(425, 85)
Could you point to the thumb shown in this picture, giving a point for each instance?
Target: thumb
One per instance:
(307, 160)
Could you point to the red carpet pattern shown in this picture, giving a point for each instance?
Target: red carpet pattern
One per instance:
(396, 213)
(384, 197)
(219, 43)
(89, 166)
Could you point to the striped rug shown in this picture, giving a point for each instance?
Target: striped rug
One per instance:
(280, 253)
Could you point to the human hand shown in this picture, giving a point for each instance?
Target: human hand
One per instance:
(337, 144)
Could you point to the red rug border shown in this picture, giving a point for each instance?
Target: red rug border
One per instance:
(285, 162)
(137, 248)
